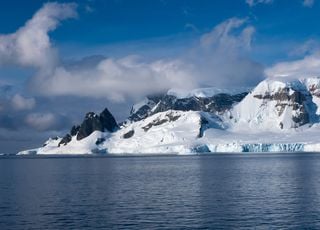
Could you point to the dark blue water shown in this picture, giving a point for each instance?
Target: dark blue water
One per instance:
(221, 191)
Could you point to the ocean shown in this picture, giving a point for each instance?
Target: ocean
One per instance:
(218, 191)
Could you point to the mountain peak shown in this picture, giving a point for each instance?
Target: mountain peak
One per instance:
(92, 122)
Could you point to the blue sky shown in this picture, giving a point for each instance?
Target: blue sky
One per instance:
(59, 60)
(102, 23)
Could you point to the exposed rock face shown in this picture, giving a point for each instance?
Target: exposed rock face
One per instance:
(168, 118)
(94, 122)
(74, 130)
(65, 140)
(217, 104)
(128, 134)
(288, 97)
(107, 120)
(278, 103)
(203, 126)
(99, 141)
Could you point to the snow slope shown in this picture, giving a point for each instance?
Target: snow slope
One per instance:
(279, 115)
(276, 104)
(166, 132)
(84, 146)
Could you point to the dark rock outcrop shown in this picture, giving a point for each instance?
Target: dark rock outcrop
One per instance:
(128, 134)
(168, 118)
(65, 140)
(216, 104)
(94, 122)
(99, 141)
(74, 130)
(203, 126)
(107, 120)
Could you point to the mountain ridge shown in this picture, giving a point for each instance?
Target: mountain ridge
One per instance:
(282, 112)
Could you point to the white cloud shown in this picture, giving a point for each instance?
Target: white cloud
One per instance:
(222, 37)
(308, 3)
(223, 56)
(308, 66)
(30, 45)
(44, 121)
(19, 102)
(252, 3)
(218, 60)
(116, 79)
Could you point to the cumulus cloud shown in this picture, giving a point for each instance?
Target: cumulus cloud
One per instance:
(308, 3)
(252, 3)
(45, 121)
(115, 79)
(309, 66)
(30, 45)
(20, 113)
(22, 103)
(12, 101)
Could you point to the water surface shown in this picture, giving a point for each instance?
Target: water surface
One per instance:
(193, 192)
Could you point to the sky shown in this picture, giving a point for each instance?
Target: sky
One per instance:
(62, 59)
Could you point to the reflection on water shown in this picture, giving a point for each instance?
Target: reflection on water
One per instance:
(226, 191)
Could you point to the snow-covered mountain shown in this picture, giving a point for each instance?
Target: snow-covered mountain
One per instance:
(278, 115)
(278, 104)
(215, 101)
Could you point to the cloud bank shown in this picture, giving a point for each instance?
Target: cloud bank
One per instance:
(309, 66)
(305, 63)
(114, 79)
(218, 59)
(45, 121)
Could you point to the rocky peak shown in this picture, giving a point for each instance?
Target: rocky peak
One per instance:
(107, 120)
(74, 130)
(288, 97)
(313, 85)
(215, 104)
(282, 103)
(90, 115)
(92, 122)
